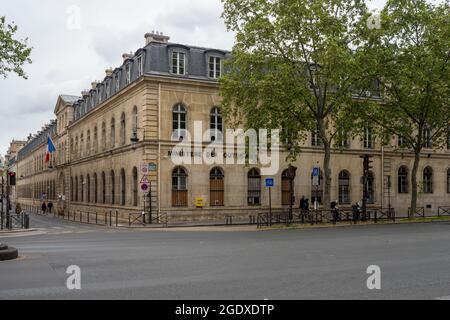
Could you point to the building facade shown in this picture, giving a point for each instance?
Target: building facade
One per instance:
(139, 113)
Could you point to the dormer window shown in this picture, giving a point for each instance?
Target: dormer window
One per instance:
(215, 67)
(178, 63)
(128, 71)
(108, 89)
(117, 81)
(140, 62)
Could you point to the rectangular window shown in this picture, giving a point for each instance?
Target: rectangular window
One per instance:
(401, 141)
(316, 141)
(368, 138)
(178, 63)
(140, 62)
(128, 70)
(215, 67)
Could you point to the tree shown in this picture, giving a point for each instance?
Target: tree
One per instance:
(294, 66)
(13, 53)
(409, 55)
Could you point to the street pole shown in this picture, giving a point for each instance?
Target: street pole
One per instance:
(8, 213)
(1, 197)
(270, 206)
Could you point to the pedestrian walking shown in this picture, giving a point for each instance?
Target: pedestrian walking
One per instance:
(18, 209)
(44, 208)
(50, 207)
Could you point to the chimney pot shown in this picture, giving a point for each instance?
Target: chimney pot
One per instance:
(156, 37)
(109, 72)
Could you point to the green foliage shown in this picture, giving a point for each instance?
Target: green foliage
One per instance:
(294, 66)
(13, 53)
(410, 56)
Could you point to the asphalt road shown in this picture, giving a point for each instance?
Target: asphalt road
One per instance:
(296, 264)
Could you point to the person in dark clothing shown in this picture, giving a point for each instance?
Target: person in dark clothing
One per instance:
(356, 212)
(335, 211)
(44, 208)
(302, 203)
(50, 207)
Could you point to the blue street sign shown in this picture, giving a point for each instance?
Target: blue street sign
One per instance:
(270, 183)
(316, 172)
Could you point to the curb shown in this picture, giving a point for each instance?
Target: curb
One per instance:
(17, 231)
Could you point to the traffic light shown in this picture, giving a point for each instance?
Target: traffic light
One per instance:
(12, 178)
(368, 164)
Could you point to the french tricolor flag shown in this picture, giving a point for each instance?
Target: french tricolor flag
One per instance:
(50, 149)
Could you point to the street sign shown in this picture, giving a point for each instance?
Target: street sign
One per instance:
(144, 169)
(270, 183)
(316, 176)
(145, 187)
(152, 167)
(145, 180)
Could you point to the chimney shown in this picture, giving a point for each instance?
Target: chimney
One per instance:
(85, 93)
(109, 72)
(127, 56)
(94, 85)
(157, 37)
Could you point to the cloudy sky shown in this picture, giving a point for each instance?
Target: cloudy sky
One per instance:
(68, 55)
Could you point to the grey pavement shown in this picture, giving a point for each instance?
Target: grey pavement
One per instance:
(279, 264)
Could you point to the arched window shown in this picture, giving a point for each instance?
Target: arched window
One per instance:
(216, 124)
(123, 188)
(217, 187)
(448, 181)
(344, 188)
(179, 187)
(122, 129)
(113, 187)
(135, 187)
(76, 189)
(254, 187)
(403, 184)
(428, 180)
(88, 189)
(179, 120)
(371, 188)
(103, 136)
(113, 133)
(95, 188)
(103, 188)
(82, 183)
(286, 189)
(135, 122)
(71, 190)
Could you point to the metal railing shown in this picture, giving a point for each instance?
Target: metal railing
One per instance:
(420, 212)
(13, 221)
(443, 211)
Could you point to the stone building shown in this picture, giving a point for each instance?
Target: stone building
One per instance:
(128, 120)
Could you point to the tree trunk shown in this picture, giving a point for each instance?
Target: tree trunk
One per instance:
(414, 184)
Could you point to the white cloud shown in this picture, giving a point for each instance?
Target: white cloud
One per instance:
(66, 61)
